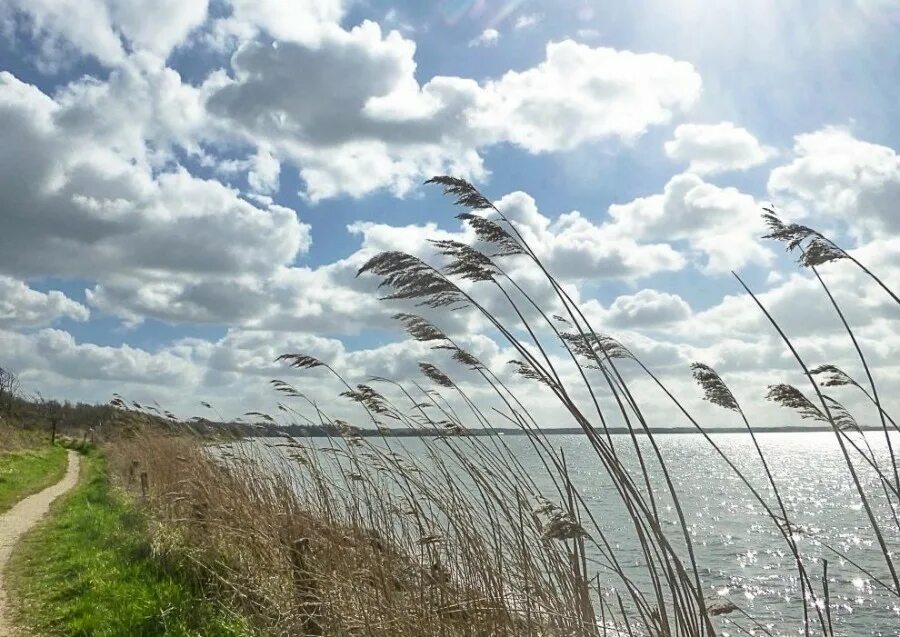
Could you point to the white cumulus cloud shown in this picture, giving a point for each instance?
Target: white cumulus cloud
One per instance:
(580, 93)
(720, 225)
(837, 175)
(385, 130)
(716, 148)
(21, 306)
(102, 28)
(74, 206)
(648, 308)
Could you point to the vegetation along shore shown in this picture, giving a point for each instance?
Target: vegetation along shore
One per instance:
(192, 527)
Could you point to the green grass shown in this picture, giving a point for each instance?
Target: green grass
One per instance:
(25, 472)
(88, 570)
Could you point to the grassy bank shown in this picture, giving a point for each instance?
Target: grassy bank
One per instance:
(88, 570)
(28, 471)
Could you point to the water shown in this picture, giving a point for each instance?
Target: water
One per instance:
(739, 549)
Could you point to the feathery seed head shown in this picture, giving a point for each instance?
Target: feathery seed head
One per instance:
(562, 526)
(527, 371)
(714, 388)
(411, 278)
(285, 388)
(841, 416)
(593, 346)
(371, 399)
(818, 248)
(833, 376)
(792, 234)
(465, 193)
(791, 397)
(300, 361)
(419, 328)
(466, 261)
(465, 358)
(821, 250)
(435, 375)
(491, 232)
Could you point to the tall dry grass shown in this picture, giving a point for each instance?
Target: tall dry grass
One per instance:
(372, 544)
(358, 539)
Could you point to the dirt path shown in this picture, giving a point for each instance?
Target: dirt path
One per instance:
(24, 515)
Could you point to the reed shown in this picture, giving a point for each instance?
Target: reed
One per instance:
(362, 537)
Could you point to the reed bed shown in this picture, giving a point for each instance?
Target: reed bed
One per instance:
(372, 544)
(352, 536)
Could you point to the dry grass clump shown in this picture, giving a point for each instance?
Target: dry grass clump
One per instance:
(14, 438)
(299, 549)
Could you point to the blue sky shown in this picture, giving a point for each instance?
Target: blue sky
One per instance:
(188, 187)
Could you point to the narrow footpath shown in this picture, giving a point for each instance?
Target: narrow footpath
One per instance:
(19, 519)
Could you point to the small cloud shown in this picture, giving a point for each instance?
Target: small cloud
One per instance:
(648, 308)
(488, 37)
(715, 148)
(527, 21)
(264, 172)
(588, 34)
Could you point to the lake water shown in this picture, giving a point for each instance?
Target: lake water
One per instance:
(739, 550)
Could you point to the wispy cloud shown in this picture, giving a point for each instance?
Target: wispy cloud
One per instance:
(527, 21)
(488, 37)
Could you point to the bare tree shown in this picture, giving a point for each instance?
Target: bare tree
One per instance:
(51, 412)
(9, 389)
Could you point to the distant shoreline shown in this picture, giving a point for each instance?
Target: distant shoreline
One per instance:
(561, 431)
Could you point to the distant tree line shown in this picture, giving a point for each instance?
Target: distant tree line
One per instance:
(9, 390)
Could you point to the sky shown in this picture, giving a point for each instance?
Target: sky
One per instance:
(188, 187)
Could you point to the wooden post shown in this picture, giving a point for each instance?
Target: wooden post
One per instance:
(305, 589)
(53, 431)
(145, 485)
